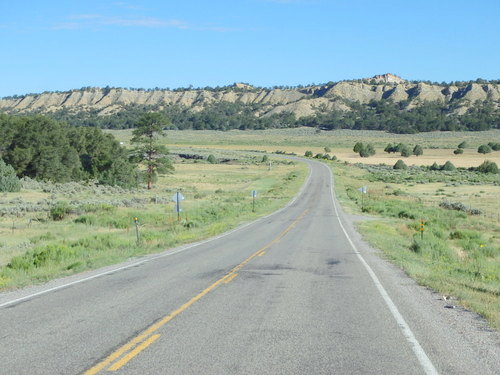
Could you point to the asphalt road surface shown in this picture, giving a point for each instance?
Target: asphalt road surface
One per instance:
(296, 292)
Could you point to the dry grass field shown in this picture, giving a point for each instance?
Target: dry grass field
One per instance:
(438, 146)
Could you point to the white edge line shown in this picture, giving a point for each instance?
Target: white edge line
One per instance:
(424, 360)
(163, 254)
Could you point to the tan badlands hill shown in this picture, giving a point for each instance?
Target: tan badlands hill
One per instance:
(301, 101)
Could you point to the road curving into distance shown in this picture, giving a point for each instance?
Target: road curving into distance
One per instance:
(296, 292)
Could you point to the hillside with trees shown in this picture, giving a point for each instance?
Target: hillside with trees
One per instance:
(384, 102)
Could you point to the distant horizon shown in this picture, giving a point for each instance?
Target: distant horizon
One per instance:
(57, 45)
(245, 83)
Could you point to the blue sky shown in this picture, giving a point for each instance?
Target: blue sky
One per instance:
(61, 45)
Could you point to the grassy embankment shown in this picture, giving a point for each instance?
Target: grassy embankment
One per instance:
(98, 228)
(458, 254)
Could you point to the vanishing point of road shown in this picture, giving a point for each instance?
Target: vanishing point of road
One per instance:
(296, 292)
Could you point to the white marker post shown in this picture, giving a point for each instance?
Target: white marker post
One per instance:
(363, 190)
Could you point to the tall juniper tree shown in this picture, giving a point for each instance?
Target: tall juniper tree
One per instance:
(148, 151)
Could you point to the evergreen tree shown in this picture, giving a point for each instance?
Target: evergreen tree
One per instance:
(434, 167)
(357, 147)
(405, 151)
(148, 150)
(418, 150)
(389, 148)
(495, 146)
(484, 149)
(367, 150)
(488, 167)
(400, 164)
(448, 166)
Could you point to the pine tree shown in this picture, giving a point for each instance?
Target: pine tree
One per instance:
(148, 151)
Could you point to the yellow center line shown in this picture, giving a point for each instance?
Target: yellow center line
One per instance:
(122, 362)
(229, 279)
(136, 341)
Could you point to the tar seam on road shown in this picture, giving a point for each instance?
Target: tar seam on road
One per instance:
(161, 255)
(131, 349)
(424, 360)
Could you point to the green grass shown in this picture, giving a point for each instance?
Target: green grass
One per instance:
(100, 232)
(458, 254)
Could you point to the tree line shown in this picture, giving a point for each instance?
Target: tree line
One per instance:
(44, 149)
(384, 115)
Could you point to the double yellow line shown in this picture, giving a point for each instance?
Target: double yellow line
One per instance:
(127, 352)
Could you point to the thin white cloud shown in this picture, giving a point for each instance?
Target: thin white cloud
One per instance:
(85, 21)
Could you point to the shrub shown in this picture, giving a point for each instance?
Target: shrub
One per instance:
(367, 150)
(405, 151)
(434, 167)
(308, 154)
(211, 159)
(8, 179)
(484, 149)
(463, 145)
(448, 166)
(418, 150)
(488, 167)
(495, 146)
(265, 159)
(403, 214)
(358, 146)
(458, 151)
(400, 164)
(327, 149)
(390, 148)
(59, 210)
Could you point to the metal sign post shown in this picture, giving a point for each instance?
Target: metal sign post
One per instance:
(363, 191)
(254, 195)
(177, 198)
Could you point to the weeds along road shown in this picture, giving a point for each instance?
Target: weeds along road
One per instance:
(288, 294)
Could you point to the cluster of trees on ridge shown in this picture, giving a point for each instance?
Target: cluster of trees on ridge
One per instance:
(249, 87)
(384, 115)
(42, 148)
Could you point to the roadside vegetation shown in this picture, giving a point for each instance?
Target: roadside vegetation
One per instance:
(458, 253)
(49, 229)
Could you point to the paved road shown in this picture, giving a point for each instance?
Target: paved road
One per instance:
(293, 293)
